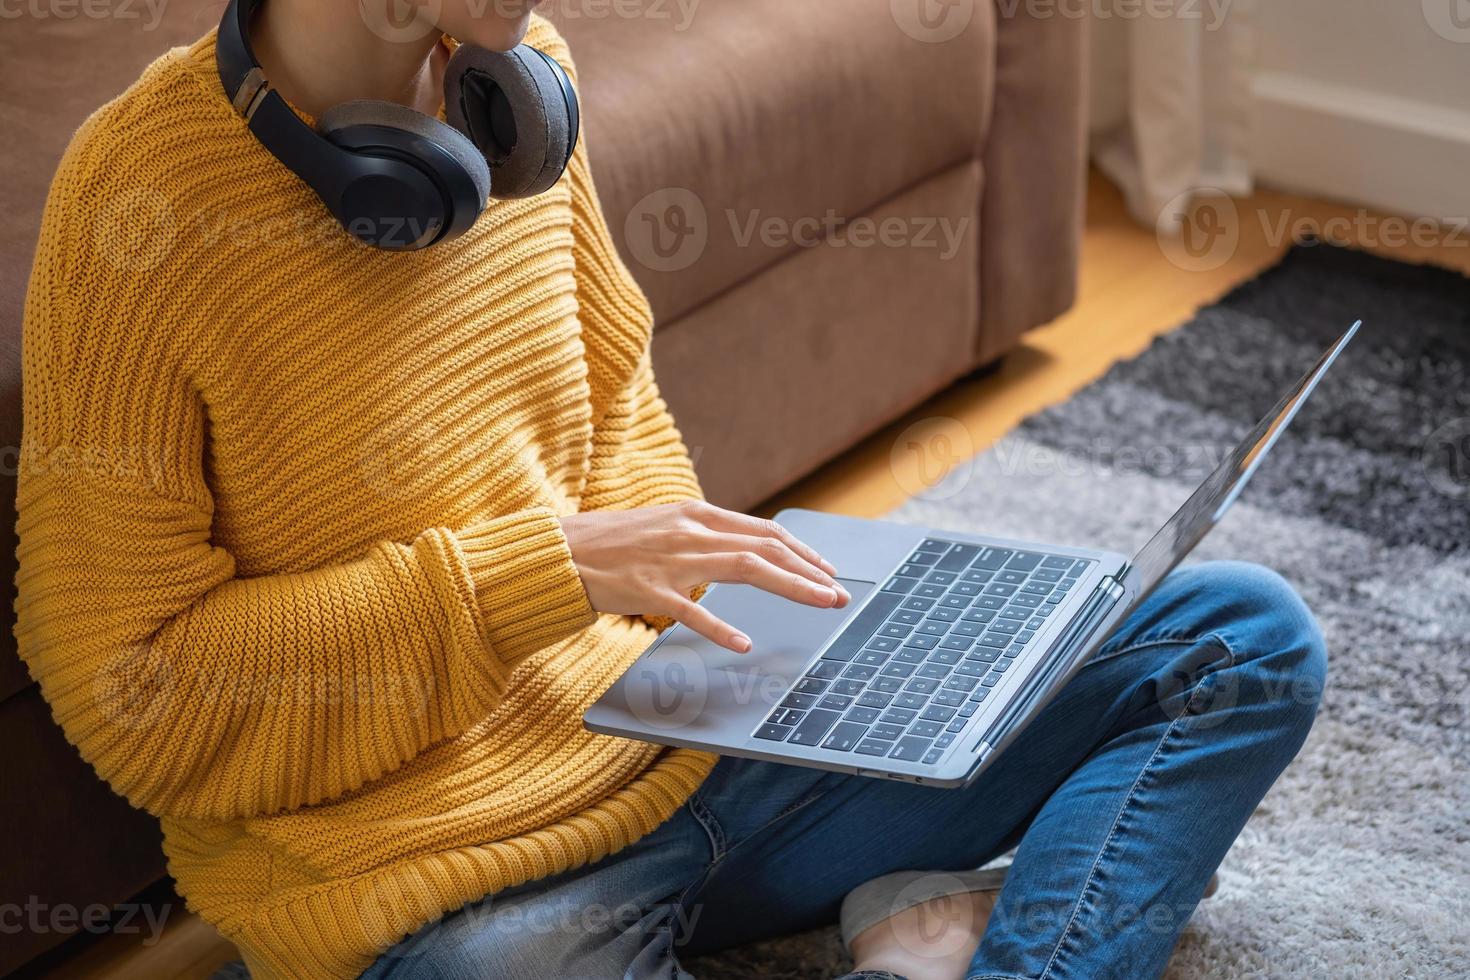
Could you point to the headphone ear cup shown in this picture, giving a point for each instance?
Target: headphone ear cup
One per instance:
(519, 108)
(391, 115)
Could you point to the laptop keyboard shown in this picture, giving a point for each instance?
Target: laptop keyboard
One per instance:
(911, 669)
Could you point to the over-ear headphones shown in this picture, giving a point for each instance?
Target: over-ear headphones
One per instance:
(396, 178)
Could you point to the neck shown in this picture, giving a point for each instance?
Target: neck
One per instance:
(318, 53)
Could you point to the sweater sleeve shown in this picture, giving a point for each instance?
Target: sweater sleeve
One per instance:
(194, 690)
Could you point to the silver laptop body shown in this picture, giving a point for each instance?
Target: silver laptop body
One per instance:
(820, 686)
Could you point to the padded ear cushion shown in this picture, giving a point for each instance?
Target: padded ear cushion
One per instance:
(370, 112)
(543, 133)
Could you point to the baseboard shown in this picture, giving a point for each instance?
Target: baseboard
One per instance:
(1381, 151)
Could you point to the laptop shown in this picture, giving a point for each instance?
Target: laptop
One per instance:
(951, 645)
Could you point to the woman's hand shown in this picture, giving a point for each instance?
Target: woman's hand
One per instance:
(646, 562)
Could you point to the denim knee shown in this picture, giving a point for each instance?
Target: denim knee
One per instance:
(1268, 629)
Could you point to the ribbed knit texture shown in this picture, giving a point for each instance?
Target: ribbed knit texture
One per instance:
(291, 574)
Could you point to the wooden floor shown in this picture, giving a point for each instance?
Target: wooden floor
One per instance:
(1130, 293)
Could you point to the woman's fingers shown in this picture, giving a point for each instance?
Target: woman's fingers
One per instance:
(707, 624)
(728, 520)
(752, 569)
(779, 554)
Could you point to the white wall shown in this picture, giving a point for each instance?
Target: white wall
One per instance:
(1366, 101)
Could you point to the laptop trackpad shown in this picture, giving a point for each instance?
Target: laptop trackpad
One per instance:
(690, 687)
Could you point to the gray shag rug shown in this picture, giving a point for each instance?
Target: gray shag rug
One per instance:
(1357, 864)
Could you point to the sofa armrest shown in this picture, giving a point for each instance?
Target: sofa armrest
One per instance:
(1035, 159)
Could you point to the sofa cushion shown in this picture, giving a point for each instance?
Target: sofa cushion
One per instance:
(749, 105)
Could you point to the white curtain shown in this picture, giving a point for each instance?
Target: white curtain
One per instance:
(1170, 111)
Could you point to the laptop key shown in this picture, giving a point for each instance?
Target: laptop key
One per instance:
(813, 727)
(963, 628)
(1011, 626)
(923, 558)
(926, 729)
(1056, 561)
(847, 687)
(927, 591)
(845, 736)
(1024, 560)
(897, 669)
(911, 617)
(996, 589)
(886, 685)
(962, 682)
(1010, 577)
(910, 748)
(810, 685)
(872, 746)
(939, 578)
(911, 699)
(835, 702)
(944, 741)
(943, 654)
(900, 584)
(917, 604)
(885, 730)
(959, 642)
(898, 716)
(860, 672)
(1043, 575)
(875, 699)
(937, 712)
(977, 575)
(991, 559)
(922, 642)
(990, 602)
(969, 708)
(883, 643)
(896, 630)
(946, 613)
(872, 658)
(775, 733)
(950, 699)
(912, 571)
(933, 627)
(825, 670)
(933, 756)
(958, 557)
(922, 685)
(863, 716)
(798, 701)
(956, 726)
(1036, 588)
(934, 544)
(965, 588)
(956, 602)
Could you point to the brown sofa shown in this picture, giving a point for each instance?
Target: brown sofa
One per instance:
(834, 212)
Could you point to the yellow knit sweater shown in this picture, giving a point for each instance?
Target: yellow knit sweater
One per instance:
(291, 574)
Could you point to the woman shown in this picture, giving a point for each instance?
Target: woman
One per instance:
(325, 550)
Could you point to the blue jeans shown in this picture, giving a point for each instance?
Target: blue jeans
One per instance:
(1123, 798)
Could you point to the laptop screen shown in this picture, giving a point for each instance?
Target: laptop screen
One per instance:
(1204, 508)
